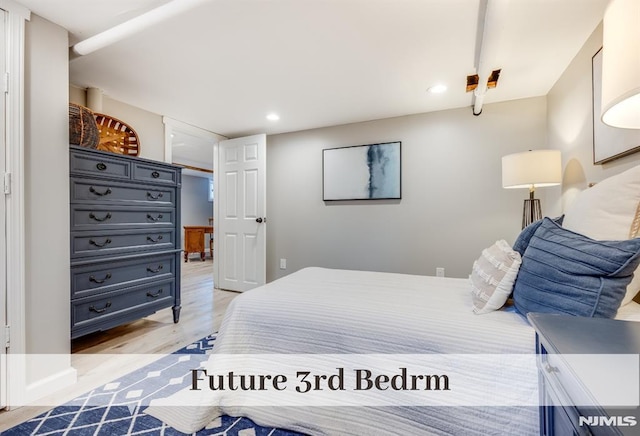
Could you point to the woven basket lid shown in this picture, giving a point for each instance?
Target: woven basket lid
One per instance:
(83, 130)
(117, 136)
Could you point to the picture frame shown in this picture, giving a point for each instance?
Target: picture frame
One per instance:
(362, 172)
(609, 143)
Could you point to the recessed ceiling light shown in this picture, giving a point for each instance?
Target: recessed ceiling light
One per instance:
(437, 89)
(273, 117)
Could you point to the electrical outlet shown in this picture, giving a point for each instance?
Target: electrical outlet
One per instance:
(283, 263)
(439, 272)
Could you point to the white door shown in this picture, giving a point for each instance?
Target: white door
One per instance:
(241, 210)
(3, 243)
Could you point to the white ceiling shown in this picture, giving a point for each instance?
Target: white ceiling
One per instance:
(227, 63)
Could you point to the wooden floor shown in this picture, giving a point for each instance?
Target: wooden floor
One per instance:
(105, 356)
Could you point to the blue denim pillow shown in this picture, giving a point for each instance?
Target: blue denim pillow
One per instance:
(565, 272)
(522, 241)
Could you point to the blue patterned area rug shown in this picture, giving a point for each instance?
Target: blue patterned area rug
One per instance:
(117, 408)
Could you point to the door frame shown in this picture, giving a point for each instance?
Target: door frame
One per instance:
(17, 15)
(171, 125)
(216, 196)
(3, 250)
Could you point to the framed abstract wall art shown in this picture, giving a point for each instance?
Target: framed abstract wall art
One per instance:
(362, 172)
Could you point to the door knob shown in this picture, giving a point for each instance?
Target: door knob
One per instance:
(261, 220)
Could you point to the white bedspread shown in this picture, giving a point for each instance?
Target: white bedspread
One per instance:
(324, 311)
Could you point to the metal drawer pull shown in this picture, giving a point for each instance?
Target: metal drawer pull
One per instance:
(104, 309)
(149, 238)
(151, 270)
(106, 242)
(150, 195)
(95, 280)
(155, 174)
(101, 194)
(95, 218)
(154, 219)
(149, 294)
(101, 166)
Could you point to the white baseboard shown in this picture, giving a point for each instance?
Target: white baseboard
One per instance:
(51, 384)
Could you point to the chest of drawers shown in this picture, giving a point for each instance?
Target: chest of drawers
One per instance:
(125, 239)
(588, 375)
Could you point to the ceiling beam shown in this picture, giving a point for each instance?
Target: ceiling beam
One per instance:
(491, 20)
(133, 26)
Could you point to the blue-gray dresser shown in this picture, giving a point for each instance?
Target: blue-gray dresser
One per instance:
(579, 358)
(125, 239)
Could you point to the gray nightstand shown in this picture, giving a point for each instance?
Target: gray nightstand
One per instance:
(564, 381)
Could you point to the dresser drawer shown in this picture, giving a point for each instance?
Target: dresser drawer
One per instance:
(94, 191)
(105, 276)
(96, 165)
(87, 217)
(562, 417)
(564, 424)
(151, 173)
(86, 244)
(114, 304)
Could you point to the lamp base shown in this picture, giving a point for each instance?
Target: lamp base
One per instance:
(531, 212)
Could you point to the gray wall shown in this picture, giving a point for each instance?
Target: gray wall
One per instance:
(452, 203)
(147, 125)
(46, 192)
(196, 207)
(571, 128)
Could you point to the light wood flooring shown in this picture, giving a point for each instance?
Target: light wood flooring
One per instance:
(104, 356)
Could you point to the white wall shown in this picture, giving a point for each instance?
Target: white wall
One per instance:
(452, 203)
(77, 95)
(571, 128)
(46, 194)
(196, 207)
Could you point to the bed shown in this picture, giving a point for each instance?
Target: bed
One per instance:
(327, 311)
(319, 311)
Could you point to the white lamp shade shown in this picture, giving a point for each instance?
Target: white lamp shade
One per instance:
(621, 65)
(534, 168)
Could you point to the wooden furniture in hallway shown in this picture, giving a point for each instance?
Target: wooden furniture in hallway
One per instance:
(194, 240)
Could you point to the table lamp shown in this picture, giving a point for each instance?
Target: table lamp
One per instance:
(621, 65)
(531, 169)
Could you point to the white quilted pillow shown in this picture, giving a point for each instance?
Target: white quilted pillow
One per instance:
(493, 276)
(609, 211)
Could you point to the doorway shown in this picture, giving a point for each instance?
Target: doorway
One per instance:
(192, 148)
(12, 231)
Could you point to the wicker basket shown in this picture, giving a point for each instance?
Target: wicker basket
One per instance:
(83, 129)
(117, 136)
